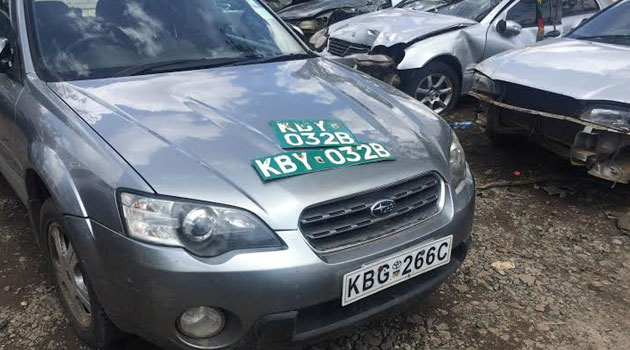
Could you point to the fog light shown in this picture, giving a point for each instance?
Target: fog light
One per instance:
(201, 322)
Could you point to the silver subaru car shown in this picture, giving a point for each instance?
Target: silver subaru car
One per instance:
(198, 177)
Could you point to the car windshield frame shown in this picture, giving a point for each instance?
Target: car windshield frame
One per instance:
(622, 39)
(46, 74)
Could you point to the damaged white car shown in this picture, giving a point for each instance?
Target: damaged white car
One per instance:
(432, 56)
(572, 95)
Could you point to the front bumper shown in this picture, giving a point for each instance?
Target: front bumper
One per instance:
(270, 297)
(605, 152)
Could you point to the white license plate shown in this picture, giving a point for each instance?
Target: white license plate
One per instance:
(392, 270)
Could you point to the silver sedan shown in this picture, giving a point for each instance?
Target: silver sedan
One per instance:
(571, 95)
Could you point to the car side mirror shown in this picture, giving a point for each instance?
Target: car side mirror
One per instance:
(6, 56)
(508, 28)
(297, 30)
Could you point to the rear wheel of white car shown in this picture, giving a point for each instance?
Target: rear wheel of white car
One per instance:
(78, 299)
(436, 85)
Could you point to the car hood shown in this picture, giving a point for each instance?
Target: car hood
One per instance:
(314, 8)
(580, 69)
(394, 26)
(194, 134)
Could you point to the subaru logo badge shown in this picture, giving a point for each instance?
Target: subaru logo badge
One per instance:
(383, 208)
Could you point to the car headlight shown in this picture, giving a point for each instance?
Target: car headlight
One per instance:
(608, 116)
(319, 39)
(203, 229)
(484, 84)
(312, 25)
(457, 160)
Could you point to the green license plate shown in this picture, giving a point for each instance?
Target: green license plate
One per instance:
(312, 160)
(312, 133)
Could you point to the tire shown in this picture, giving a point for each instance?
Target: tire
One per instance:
(417, 81)
(91, 324)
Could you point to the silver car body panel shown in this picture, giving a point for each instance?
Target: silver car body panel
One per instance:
(393, 26)
(584, 70)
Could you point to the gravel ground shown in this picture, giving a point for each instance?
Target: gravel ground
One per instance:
(548, 269)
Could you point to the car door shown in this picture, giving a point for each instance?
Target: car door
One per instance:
(523, 13)
(10, 89)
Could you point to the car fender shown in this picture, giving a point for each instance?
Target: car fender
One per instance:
(79, 169)
(457, 44)
(53, 172)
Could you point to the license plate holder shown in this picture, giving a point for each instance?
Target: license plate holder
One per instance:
(390, 271)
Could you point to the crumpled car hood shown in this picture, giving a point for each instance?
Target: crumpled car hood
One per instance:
(194, 134)
(314, 8)
(393, 26)
(576, 68)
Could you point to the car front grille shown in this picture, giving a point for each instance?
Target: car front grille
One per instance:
(348, 221)
(343, 48)
(540, 100)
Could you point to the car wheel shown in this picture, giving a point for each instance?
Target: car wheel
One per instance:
(436, 85)
(78, 299)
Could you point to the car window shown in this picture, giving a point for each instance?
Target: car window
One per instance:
(5, 19)
(83, 39)
(524, 13)
(578, 7)
(422, 5)
(475, 10)
(609, 26)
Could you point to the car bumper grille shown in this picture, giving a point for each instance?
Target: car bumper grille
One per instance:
(540, 100)
(348, 221)
(343, 48)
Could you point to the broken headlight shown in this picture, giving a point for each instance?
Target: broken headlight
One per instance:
(203, 229)
(608, 116)
(482, 83)
(457, 160)
(318, 40)
(312, 25)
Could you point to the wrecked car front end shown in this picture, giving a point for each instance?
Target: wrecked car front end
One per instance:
(316, 15)
(430, 52)
(379, 44)
(590, 135)
(580, 111)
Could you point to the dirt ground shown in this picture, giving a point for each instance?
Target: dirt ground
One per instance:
(548, 269)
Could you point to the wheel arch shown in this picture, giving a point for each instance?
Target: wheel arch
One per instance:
(48, 177)
(451, 48)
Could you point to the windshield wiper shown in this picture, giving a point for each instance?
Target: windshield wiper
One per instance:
(178, 65)
(278, 58)
(188, 64)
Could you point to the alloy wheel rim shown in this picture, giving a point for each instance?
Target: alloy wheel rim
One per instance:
(69, 276)
(435, 91)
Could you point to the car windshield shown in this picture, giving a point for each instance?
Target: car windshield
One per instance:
(85, 39)
(611, 26)
(422, 5)
(475, 10)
